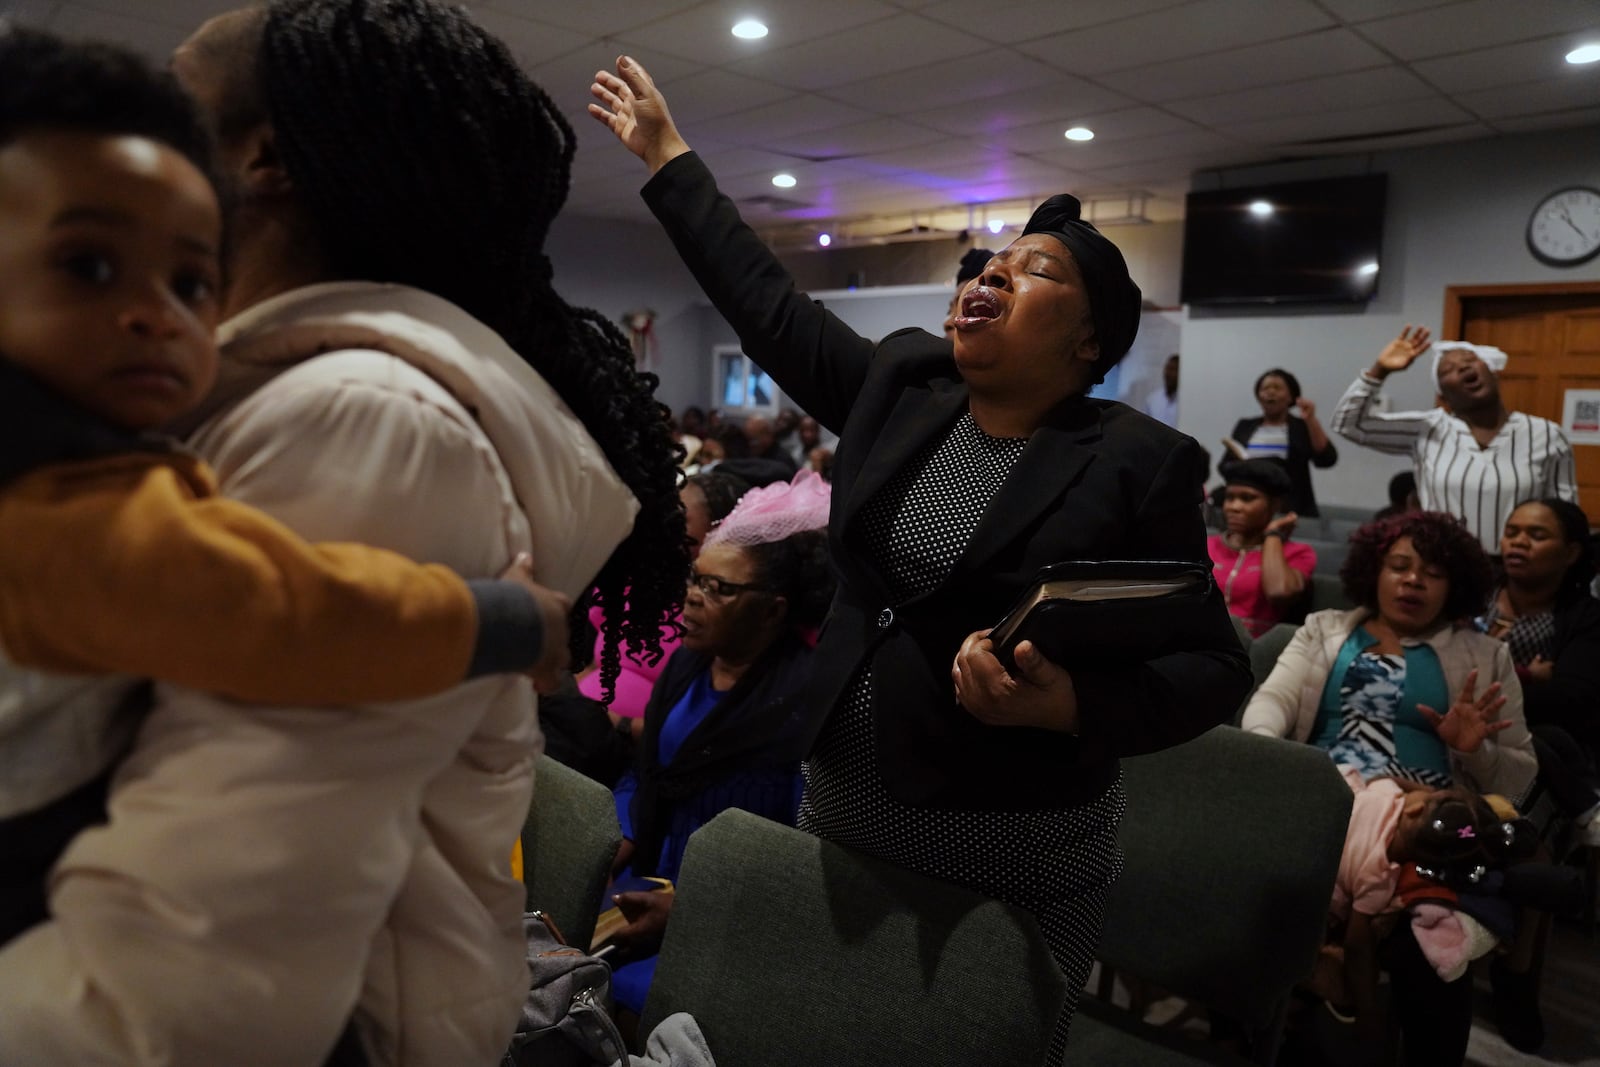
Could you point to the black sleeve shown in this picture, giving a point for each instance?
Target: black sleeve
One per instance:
(1327, 457)
(1571, 698)
(1175, 697)
(815, 358)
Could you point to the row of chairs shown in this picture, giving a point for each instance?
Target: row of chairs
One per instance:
(789, 949)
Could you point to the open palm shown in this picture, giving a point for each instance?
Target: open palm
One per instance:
(632, 108)
(1471, 720)
(1403, 351)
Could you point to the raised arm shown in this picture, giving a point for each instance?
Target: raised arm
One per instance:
(1357, 417)
(814, 357)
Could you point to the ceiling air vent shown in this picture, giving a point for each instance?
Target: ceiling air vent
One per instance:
(767, 202)
(1375, 135)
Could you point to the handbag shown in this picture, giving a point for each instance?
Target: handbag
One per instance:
(1099, 613)
(566, 1020)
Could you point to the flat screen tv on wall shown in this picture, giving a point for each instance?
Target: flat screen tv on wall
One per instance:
(1290, 243)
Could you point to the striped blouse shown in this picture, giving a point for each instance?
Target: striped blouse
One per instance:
(1530, 457)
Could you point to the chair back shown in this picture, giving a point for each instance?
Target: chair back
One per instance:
(1231, 844)
(568, 845)
(788, 949)
(1327, 591)
(1266, 649)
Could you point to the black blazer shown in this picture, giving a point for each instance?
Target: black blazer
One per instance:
(1097, 481)
(1301, 457)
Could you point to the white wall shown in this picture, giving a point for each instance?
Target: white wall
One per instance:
(616, 267)
(1456, 216)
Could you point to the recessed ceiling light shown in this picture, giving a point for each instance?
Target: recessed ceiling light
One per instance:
(996, 225)
(824, 240)
(1080, 133)
(783, 181)
(1367, 268)
(750, 29)
(1260, 208)
(1589, 53)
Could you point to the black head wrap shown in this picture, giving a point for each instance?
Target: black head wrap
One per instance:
(1270, 476)
(972, 265)
(1114, 299)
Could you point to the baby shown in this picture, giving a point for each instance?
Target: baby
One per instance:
(120, 561)
(1452, 836)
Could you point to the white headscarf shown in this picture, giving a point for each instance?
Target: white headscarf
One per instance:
(1492, 357)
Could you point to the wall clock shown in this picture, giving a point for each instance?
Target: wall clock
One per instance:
(1564, 229)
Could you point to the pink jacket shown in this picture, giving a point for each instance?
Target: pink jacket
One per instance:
(267, 871)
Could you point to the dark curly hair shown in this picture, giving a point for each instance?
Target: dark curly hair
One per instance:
(1574, 523)
(1289, 380)
(797, 568)
(52, 84)
(1441, 540)
(1463, 838)
(426, 157)
(721, 490)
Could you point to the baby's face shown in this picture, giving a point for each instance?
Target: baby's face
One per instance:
(109, 273)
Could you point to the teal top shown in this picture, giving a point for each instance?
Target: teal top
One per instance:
(1368, 717)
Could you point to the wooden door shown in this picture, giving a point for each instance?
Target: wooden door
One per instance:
(1552, 335)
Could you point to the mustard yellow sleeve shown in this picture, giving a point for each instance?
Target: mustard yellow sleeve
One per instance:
(131, 566)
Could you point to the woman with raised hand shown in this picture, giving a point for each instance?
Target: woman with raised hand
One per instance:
(963, 468)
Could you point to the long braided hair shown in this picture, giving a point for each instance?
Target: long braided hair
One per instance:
(426, 157)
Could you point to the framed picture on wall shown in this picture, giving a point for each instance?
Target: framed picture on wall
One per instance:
(740, 385)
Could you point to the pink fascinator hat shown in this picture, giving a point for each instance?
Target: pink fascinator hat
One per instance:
(774, 512)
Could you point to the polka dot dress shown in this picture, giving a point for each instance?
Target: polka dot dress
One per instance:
(1057, 864)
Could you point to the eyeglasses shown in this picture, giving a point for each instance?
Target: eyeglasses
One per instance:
(720, 588)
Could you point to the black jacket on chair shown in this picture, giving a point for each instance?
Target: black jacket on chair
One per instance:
(1302, 499)
(1097, 481)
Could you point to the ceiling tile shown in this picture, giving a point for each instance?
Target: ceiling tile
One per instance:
(156, 40)
(186, 15)
(1176, 33)
(1479, 24)
(1555, 120)
(568, 78)
(1309, 55)
(702, 33)
(1342, 91)
(531, 42)
(1509, 64)
(1032, 19)
(712, 93)
(999, 72)
(593, 20)
(30, 12)
(858, 139)
(731, 162)
(1109, 126)
(1058, 101)
(1094, 155)
(1556, 94)
(1362, 10)
(1326, 125)
(852, 55)
(767, 126)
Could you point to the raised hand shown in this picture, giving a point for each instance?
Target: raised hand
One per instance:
(1403, 351)
(1308, 410)
(1283, 525)
(631, 107)
(1471, 720)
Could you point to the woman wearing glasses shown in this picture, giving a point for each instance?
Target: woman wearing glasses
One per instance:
(723, 728)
